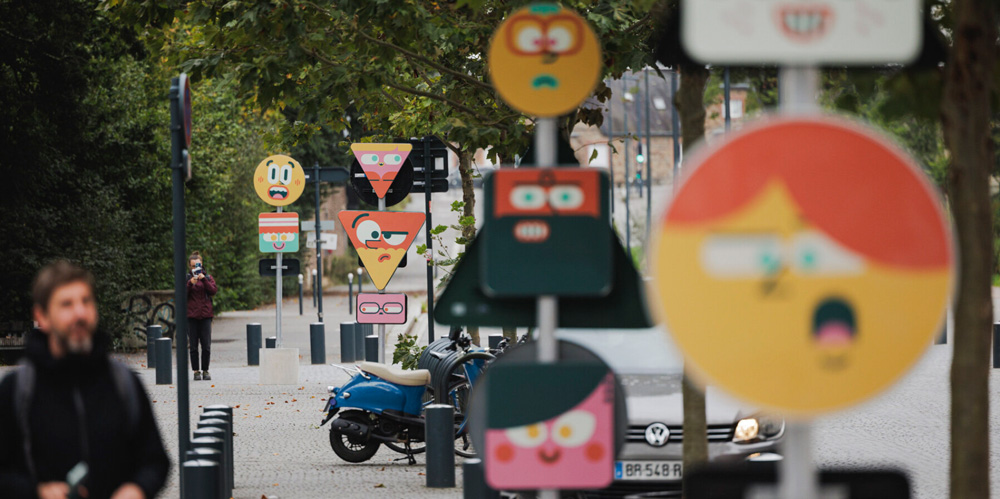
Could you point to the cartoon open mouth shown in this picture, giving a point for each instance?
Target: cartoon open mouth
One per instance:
(277, 192)
(531, 231)
(279, 247)
(545, 80)
(804, 23)
(833, 323)
(383, 257)
(549, 458)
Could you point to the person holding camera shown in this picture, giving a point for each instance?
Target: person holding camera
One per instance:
(200, 289)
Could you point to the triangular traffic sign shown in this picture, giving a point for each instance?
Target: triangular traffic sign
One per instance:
(381, 163)
(381, 239)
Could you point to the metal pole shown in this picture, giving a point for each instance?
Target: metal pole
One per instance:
(675, 128)
(381, 327)
(301, 278)
(649, 169)
(319, 250)
(428, 180)
(611, 155)
(725, 93)
(628, 210)
(314, 287)
(278, 295)
(799, 86)
(180, 271)
(350, 293)
(996, 346)
(545, 149)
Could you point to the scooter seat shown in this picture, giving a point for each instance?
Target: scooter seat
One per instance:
(418, 377)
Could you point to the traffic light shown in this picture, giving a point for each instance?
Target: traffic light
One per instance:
(639, 158)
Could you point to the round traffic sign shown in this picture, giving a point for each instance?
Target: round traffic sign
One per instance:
(544, 60)
(804, 265)
(279, 180)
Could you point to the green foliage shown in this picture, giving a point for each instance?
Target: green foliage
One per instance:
(407, 352)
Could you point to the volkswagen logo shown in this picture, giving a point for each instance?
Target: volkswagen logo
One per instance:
(657, 434)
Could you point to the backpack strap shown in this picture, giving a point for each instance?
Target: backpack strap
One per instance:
(24, 389)
(129, 393)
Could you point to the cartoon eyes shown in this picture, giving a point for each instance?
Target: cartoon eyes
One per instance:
(573, 428)
(534, 197)
(393, 159)
(394, 238)
(530, 35)
(570, 430)
(750, 256)
(368, 159)
(528, 436)
(530, 39)
(368, 230)
(278, 237)
(281, 174)
(560, 39)
(373, 308)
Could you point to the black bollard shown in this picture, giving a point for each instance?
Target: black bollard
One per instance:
(317, 342)
(214, 456)
(371, 348)
(270, 342)
(221, 411)
(219, 445)
(494, 340)
(474, 481)
(164, 364)
(440, 445)
(201, 479)
(346, 342)
(219, 434)
(359, 341)
(153, 333)
(300, 294)
(253, 343)
(996, 346)
(350, 295)
(227, 437)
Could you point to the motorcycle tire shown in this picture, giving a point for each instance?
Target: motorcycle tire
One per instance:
(351, 449)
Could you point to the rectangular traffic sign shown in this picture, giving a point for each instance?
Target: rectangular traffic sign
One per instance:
(781, 32)
(310, 225)
(329, 240)
(268, 267)
(437, 185)
(328, 174)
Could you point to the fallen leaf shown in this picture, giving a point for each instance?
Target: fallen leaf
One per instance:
(257, 416)
(380, 486)
(383, 469)
(213, 386)
(237, 406)
(294, 400)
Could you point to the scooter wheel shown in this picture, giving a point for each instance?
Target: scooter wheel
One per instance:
(352, 449)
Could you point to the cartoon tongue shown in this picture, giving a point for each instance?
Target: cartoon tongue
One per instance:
(833, 323)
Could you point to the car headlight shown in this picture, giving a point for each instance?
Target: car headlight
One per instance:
(758, 428)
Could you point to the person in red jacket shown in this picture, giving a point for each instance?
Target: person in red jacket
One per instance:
(200, 288)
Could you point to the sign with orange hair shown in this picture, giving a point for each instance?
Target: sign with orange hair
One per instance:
(804, 265)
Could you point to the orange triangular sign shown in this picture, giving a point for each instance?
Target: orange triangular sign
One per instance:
(381, 163)
(381, 239)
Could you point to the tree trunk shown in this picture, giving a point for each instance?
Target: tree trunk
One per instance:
(690, 105)
(469, 210)
(965, 119)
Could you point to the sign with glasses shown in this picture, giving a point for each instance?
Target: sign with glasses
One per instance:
(387, 308)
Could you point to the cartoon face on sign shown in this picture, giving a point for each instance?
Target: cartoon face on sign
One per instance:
(279, 180)
(573, 449)
(827, 250)
(279, 232)
(545, 225)
(387, 308)
(544, 60)
(811, 31)
(381, 239)
(381, 163)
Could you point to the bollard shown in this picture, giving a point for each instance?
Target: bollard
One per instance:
(164, 364)
(220, 446)
(440, 445)
(253, 343)
(317, 343)
(300, 294)
(347, 342)
(371, 348)
(153, 333)
(314, 288)
(996, 346)
(494, 340)
(360, 332)
(474, 481)
(271, 341)
(227, 436)
(350, 294)
(221, 411)
(201, 479)
(214, 456)
(216, 434)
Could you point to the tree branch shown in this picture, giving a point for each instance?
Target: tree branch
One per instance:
(436, 97)
(439, 67)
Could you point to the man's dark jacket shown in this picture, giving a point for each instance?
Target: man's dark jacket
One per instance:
(118, 452)
(200, 297)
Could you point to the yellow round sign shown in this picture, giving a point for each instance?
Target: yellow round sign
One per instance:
(544, 60)
(279, 180)
(804, 265)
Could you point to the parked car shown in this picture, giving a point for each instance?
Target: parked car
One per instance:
(650, 368)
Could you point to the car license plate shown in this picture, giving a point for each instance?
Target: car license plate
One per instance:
(648, 470)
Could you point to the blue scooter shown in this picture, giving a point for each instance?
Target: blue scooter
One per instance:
(383, 404)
